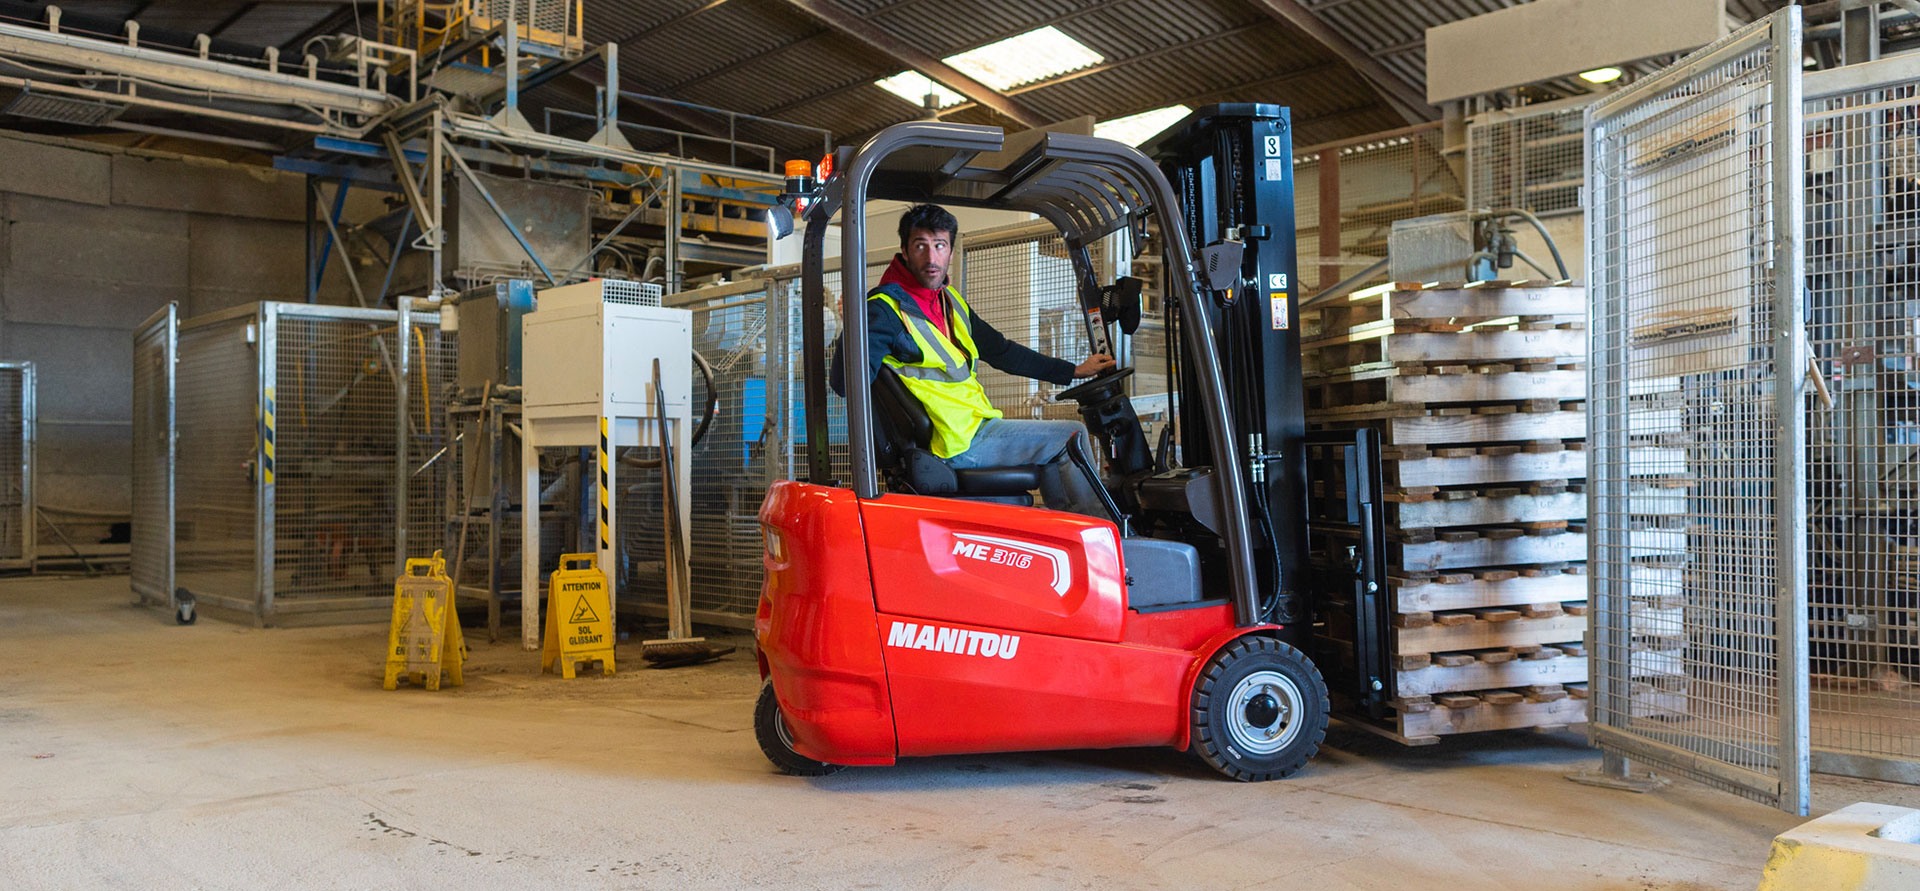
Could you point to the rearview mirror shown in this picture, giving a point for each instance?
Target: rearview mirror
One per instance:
(1120, 303)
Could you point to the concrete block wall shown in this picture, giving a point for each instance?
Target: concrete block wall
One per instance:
(94, 239)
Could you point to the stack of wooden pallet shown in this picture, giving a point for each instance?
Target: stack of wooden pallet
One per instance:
(1478, 393)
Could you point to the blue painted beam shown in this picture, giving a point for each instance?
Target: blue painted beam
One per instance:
(360, 148)
(365, 177)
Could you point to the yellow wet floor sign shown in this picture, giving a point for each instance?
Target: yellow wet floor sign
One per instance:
(424, 639)
(579, 622)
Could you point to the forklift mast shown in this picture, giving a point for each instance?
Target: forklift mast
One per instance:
(1319, 539)
(1232, 166)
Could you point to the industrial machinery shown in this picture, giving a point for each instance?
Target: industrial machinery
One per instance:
(591, 352)
(900, 620)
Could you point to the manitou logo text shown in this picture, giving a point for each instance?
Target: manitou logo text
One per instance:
(958, 641)
(1015, 554)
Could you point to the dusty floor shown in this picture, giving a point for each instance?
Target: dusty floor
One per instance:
(138, 754)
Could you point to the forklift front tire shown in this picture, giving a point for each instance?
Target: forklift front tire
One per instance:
(771, 730)
(1259, 710)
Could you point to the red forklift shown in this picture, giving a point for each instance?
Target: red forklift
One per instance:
(909, 610)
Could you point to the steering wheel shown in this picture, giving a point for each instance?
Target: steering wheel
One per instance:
(1094, 385)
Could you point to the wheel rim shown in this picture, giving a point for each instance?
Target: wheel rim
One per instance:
(780, 730)
(1264, 713)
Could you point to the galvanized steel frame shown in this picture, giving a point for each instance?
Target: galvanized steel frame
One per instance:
(1854, 287)
(263, 321)
(1609, 391)
(29, 519)
(163, 328)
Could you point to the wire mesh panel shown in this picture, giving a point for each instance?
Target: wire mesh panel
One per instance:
(434, 364)
(18, 523)
(1348, 194)
(1025, 289)
(333, 502)
(1527, 158)
(216, 413)
(151, 550)
(1693, 239)
(1863, 436)
(337, 494)
(730, 470)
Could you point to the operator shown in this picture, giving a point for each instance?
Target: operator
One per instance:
(918, 324)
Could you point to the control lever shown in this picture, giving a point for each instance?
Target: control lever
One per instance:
(1163, 457)
(1078, 455)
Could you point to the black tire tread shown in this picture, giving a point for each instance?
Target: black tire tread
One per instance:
(789, 762)
(1208, 748)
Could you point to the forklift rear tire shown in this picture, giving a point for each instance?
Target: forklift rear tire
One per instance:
(771, 730)
(1259, 710)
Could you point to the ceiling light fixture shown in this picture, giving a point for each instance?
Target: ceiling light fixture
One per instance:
(1605, 75)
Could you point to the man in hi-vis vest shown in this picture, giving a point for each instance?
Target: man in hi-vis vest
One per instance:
(918, 324)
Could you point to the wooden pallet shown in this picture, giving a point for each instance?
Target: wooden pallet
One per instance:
(1422, 724)
(1408, 343)
(1443, 301)
(1477, 392)
(1481, 509)
(1482, 633)
(1557, 668)
(1490, 382)
(1418, 425)
(1486, 587)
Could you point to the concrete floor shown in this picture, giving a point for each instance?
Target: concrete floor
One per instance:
(138, 754)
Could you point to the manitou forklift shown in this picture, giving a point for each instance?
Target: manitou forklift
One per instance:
(908, 610)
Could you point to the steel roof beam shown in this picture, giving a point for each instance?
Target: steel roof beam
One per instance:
(1400, 95)
(859, 29)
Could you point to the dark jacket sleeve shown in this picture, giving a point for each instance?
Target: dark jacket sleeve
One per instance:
(885, 335)
(998, 351)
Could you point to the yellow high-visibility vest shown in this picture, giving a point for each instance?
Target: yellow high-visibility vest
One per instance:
(943, 379)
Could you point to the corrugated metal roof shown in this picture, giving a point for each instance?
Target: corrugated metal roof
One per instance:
(771, 57)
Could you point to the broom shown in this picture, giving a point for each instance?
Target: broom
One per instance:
(678, 647)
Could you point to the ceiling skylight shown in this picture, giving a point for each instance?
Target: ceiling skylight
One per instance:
(1138, 128)
(914, 86)
(1035, 55)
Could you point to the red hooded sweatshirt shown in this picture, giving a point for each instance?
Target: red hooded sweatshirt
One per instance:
(929, 299)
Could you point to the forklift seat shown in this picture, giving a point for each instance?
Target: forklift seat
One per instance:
(903, 434)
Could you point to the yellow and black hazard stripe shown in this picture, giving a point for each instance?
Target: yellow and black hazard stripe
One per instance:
(266, 438)
(605, 502)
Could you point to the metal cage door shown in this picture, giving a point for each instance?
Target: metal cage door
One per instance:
(154, 355)
(1697, 551)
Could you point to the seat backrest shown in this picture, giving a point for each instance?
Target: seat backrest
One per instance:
(903, 419)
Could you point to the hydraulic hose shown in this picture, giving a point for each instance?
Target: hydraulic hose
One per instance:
(1540, 228)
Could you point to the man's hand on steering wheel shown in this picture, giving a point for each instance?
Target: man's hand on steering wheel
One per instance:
(1098, 363)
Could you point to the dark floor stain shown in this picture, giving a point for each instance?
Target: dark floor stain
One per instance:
(383, 826)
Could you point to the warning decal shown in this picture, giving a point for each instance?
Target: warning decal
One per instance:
(583, 612)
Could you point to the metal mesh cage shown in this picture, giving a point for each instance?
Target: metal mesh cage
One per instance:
(151, 549)
(1347, 195)
(18, 522)
(543, 15)
(1025, 289)
(1863, 441)
(334, 509)
(729, 471)
(1527, 158)
(215, 495)
(290, 495)
(1689, 191)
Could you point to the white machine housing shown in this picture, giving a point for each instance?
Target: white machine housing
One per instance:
(587, 355)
